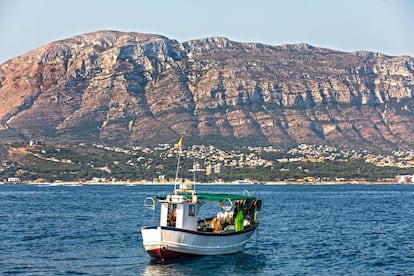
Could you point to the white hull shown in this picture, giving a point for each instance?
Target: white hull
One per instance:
(170, 242)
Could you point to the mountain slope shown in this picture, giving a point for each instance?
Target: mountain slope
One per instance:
(132, 88)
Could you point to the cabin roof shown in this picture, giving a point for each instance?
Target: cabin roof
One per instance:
(215, 197)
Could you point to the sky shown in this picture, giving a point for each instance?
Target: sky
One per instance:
(385, 26)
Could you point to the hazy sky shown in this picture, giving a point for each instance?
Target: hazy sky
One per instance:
(385, 26)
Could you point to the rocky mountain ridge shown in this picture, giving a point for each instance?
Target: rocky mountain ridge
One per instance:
(132, 88)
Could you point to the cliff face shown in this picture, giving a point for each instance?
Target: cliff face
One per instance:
(131, 88)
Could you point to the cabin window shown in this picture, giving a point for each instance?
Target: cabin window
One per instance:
(192, 210)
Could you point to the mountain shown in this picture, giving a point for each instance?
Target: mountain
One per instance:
(139, 89)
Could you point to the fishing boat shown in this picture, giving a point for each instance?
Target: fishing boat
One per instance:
(184, 230)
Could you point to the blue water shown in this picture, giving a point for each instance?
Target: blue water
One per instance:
(305, 230)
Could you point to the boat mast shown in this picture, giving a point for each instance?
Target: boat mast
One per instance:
(177, 180)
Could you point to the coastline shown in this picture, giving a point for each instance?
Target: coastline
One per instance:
(143, 182)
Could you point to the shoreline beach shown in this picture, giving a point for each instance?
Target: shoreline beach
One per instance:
(143, 182)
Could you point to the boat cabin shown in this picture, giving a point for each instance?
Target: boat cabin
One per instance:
(177, 211)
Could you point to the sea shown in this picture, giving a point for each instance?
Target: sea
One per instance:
(304, 230)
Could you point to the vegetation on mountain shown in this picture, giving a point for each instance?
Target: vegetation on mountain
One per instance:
(91, 163)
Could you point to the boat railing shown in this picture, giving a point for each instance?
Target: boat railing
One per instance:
(150, 203)
(226, 205)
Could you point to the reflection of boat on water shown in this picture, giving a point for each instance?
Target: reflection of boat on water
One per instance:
(230, 264)
(182, 231)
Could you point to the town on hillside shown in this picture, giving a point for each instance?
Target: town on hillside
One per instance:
(97, 163)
